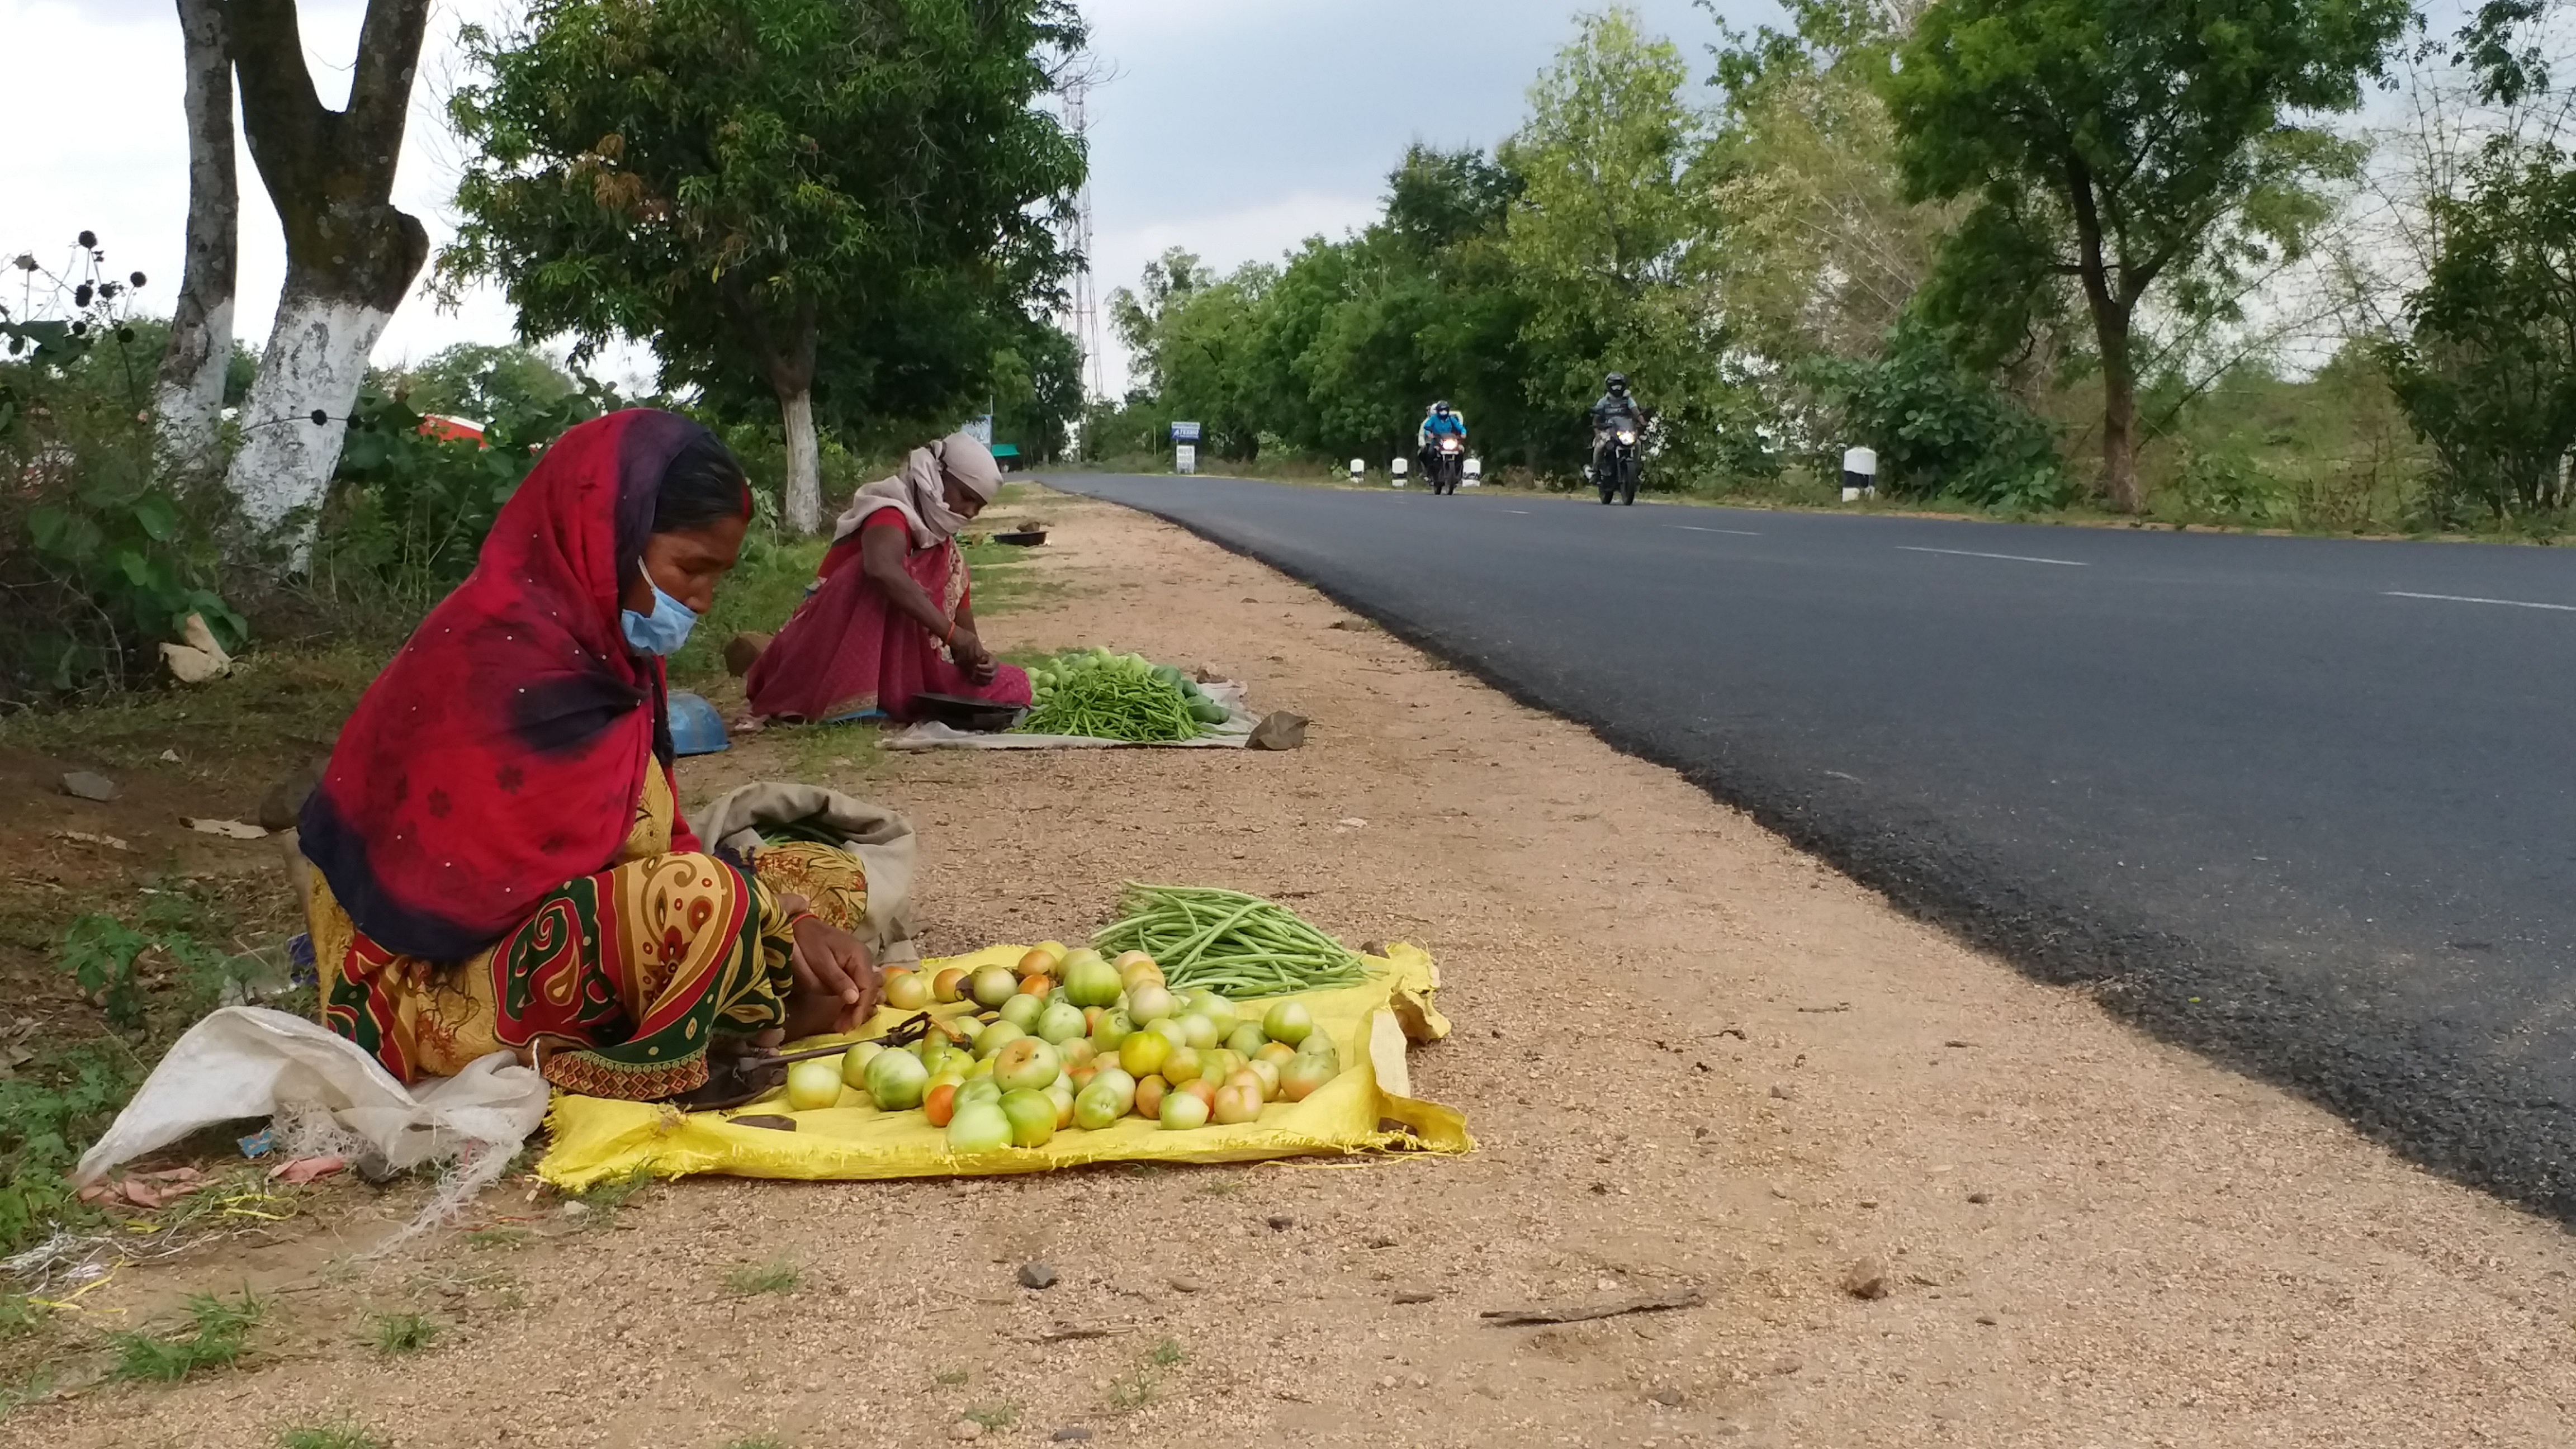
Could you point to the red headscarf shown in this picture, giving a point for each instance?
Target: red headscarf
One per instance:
(503, 750)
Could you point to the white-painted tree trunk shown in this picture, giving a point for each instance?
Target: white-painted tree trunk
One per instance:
(188, 390)
(804, 463)
(188, 401)
(316, 360)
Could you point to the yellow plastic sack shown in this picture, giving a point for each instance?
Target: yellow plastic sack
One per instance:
(1368, 1107)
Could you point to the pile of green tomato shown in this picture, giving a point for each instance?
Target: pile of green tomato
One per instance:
(1074, 1040)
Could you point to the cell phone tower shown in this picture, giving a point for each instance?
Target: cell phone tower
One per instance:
(1083, 301)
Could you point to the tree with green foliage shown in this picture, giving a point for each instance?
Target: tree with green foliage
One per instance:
(1343, 347)
(1604, 233)
(2123, 144)
(481, 381)
(2488, 372)
(1436, 310)
(1196, 338)
(1137, 316)
(793, 195)
(1037, 392)
(2482, 353)
(1820, 251)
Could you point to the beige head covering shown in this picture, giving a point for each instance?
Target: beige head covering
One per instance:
(916, 492)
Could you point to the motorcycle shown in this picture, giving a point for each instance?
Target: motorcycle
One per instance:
(1619, 475)
(1446, 463)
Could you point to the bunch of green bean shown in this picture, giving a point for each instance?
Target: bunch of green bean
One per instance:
(1227, 942)
(1111, 704)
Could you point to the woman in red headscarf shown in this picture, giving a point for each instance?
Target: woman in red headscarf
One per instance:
(888, 617)
(500, 857)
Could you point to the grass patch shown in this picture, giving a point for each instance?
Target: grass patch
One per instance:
(818, 751)
(763, 589)
(398, 1334)
(37, 1383)
(153, 973)
(615, 1192)
(774, 1276)
(216, 1334)
(276, 700)
(63, 1102)
(1002, 581)
(1133, 1391)
(1224, 1187)
(761, 1442)
(950, 1378)
(17, 1315)
(486, 1239)
(344, 1434)
(995, 1416)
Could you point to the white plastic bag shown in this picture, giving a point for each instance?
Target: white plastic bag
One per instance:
(249, 1061)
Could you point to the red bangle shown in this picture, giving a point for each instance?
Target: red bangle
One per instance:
(802, 916)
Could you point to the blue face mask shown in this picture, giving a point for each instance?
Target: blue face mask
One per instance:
(665, 629)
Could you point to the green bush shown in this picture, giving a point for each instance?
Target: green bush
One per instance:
(410, 510)
(2488, 375)
(1939, 428)
(56, 1106)
(49, 1113)
(100, 558)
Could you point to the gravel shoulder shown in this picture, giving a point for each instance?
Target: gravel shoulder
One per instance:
(1691, 1055)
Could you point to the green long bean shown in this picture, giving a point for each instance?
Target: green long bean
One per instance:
(1107, 703)
(1237, 945)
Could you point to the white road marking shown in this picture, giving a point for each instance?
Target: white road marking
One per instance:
(2011, 557)
(2466, 599)
(1523, 512)
(1695, 528)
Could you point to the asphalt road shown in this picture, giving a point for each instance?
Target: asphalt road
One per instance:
(2303, 804)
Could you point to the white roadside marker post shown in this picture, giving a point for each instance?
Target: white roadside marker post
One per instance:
(1860, 473)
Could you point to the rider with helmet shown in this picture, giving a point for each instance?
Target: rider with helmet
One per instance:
(1438, 421)
(1614, 408)
(1441, 421)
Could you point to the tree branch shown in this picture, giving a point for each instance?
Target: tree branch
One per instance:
(282, 117)
(380, 91)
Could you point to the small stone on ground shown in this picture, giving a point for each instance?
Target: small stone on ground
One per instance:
(1866, 1279)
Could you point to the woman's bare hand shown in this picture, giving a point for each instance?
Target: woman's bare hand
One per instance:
(968, 651)
(833, 965)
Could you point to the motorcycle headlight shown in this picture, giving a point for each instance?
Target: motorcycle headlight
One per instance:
(1627, 437)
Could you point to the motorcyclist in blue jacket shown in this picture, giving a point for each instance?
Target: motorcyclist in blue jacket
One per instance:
(1439, 422)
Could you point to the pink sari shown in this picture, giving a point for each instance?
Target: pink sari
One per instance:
(846, 650)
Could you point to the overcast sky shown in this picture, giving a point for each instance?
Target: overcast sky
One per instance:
(1234, 128)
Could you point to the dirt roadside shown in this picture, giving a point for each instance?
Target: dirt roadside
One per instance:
(1690, 1055)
